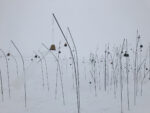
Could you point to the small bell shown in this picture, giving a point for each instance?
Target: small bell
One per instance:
(53, 47)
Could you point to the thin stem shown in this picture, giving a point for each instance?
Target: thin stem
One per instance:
(58, 64)
(7, 72)
(2, 90)
(74, 64)
(24, 74)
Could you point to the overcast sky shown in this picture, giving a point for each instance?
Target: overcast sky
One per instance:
(93, 22)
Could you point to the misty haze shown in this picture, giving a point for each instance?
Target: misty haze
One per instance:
(74, 56)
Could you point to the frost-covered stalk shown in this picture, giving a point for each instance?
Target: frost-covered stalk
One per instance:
(24, 74)
(60, 73)
(7, 72)
(2, 90)
(149, 62)
(61, 81)
(127, 73)
(57, 70)
(93, 72)
(17, 70)
(76, 53)
(144, 73)
(107, 57)
(117, 67)
(56, 82)
(97, 78)
(45, 62)
(121, 77)
(42, 71)
(135, 68)
(84, 68)
(75, 68)
(113, 74)
(99, 74)
(43, 83)
(105, 72)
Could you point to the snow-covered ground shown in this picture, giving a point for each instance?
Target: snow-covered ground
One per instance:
(40, 100)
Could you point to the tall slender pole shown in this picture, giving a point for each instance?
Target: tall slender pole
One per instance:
(135, 67)
(74, 64)
(127, 72)
(76, 58)
(24, 74)
(121, 77)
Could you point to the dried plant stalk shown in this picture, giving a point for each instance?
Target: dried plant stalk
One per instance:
(24, 74)
(7, 72)
(2, 90)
